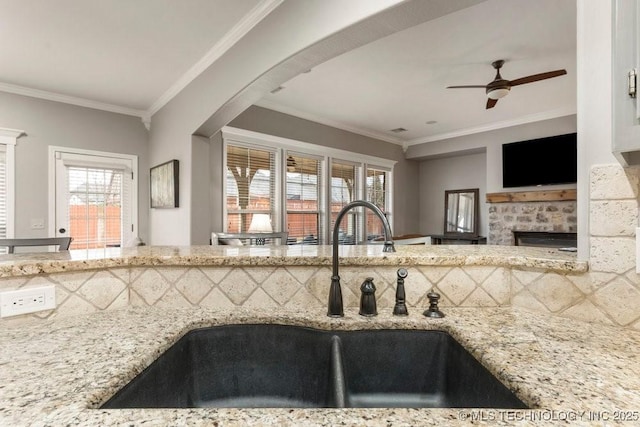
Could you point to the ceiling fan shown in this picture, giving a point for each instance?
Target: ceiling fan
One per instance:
(500, 87)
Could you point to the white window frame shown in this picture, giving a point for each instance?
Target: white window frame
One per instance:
(117, 158)
(9, 138)
(251, 139)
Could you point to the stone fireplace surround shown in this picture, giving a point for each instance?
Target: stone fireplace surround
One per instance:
(529, 214)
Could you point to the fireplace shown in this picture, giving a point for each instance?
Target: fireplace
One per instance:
(548, 239)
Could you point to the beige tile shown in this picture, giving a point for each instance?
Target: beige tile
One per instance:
(386, 300)
(123, 274)
(259, 274)
(587, 312)
(555, 291)
(620, 300)
(525, 299)
(237, 286)
(479, 298)
(12, 283)
(525, 277)
(612, 254)
(194, 285)
(73, 281)
(479, 273)
(173, 299)
(612, 181)
(416, 286)
(591, 282)
(498, 286)
(102, 289)
(74, 305)
(457, 286)
(302, 274)
(281, 286)
(150, 286)
(217, 300)
(260, 300)
(171, 274)
(304, 299)
(434, 273)
(136, 300)
(613, 218)
(216, 274)
(318, 285)
(121, 301)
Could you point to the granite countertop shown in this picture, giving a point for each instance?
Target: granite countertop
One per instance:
(303, 255)
(58, 371)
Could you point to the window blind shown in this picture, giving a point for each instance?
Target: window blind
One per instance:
(250, 186)
(377, 191)
(3, 194)
(96, 213)
(344, 181)
(303, 179)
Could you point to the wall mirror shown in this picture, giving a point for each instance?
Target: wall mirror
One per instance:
(461, 211)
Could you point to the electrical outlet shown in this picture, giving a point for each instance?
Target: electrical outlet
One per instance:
(37, 223)
(29, 300)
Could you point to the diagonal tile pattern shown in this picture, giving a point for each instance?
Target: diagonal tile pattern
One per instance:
(609, 293)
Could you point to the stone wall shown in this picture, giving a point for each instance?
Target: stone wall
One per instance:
(558, 216)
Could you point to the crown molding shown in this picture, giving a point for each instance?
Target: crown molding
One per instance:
(546, 115)
(66, 99)
(328, 122)
(250, 20)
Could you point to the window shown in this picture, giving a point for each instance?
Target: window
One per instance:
(344, 184)
(250, 186)
(377, 192)
(8, 140)
(3, 192)
(301, 186)
(304, 174)
(95, 214)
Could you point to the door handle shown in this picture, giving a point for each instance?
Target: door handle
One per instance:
(62, 230)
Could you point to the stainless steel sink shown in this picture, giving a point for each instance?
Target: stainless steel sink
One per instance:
(249, 366)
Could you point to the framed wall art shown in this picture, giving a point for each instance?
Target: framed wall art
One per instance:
(164, 185)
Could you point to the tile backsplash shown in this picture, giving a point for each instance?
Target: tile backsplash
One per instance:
(609, 293)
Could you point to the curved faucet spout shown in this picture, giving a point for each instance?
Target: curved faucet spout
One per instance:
(335, 292)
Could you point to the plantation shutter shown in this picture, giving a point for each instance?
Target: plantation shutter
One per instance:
(250, 186)
(377, 192)
(343, 189)
(303, 190)
(3, 194)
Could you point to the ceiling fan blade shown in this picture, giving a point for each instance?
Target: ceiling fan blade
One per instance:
(537, 77)
(491, 103)
(465, 87)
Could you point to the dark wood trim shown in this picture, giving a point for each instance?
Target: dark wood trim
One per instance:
(533, 196)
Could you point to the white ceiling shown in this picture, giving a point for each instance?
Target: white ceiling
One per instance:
(400, 80)
(125, 54)
(132, 56)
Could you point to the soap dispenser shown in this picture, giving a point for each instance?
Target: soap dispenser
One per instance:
(368, 298)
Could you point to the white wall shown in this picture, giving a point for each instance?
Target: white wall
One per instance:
(450, 173)
(52, 123)
(594, 62)
(492, 142)
(289, 29)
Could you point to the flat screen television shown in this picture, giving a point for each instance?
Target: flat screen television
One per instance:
(543, 161)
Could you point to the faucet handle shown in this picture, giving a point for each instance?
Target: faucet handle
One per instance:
(433, 310)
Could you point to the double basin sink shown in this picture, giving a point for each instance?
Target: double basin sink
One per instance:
(251, 366)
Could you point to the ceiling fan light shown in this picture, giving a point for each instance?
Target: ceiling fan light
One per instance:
(498, 93)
